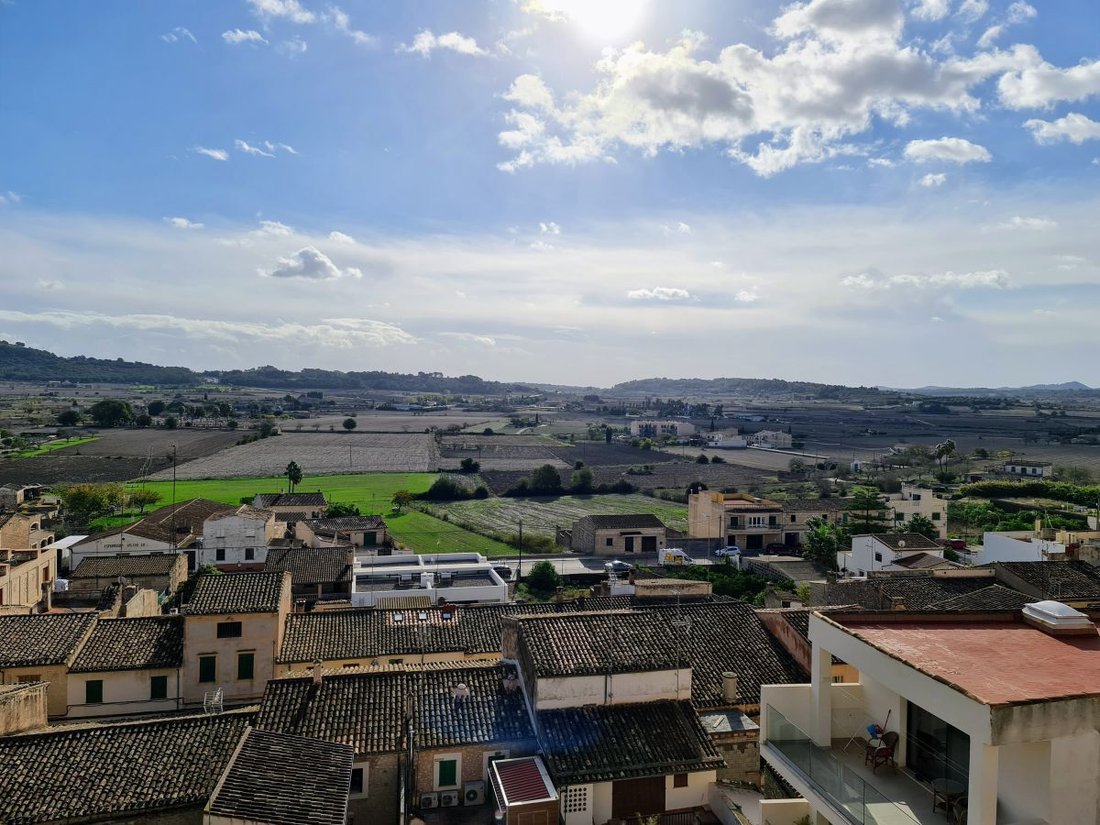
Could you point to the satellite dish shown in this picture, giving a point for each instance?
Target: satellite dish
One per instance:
(901, 543)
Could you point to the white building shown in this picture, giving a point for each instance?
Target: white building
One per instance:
(873, 553)
(1031, 469)
(456, 578)
(239, 538)
(1018, 545)
(1003, 729)
(914, 500)
(726, 441)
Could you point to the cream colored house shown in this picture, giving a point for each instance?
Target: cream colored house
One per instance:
(26, 576)
(238, 539)
(774, 439)
(365, 532)
(233, 629)
(1005, 729)
(739, 519)
(914, 500)
(40, 648)
(614, 535)
(128, 666)
(19, 531)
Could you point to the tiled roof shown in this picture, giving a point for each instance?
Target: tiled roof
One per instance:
(309, 565)
(186, 518)
(244, 511)
(994, 597)
(104, 772)
(285, 780)
(111, 567)
(43, 638)
(345, 523)
(923, 561)
(602, 743)
(785, 571)
(1072, 579)
(917, 590)
(253, 592)
(366, 633)
(907, 541)
(295, 515)
(626, 521)
(365, 709)
(132, 644)
(715, 637)
(290, 500)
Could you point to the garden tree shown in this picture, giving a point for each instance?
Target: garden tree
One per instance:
(143, 498)
(341, 509)
(143, 420)
(232, 424)
(402, 499)
(919, 523)
(582, 481)
(865, 511)
(1074, 474)
(171, 422)
(446, 488)
(543, 578)
(155, 407)
(110, 412)
(546, 479)
(823, 540)
(702, 459)
(607, 435)
(943, 452)
(86, 502)
(293, 474)
(68, 418)
(469, 465)
(797, 466)
(350, 424)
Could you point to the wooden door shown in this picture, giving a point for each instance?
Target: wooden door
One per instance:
(630, 797)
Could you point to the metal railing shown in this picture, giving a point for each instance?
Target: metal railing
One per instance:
(859, 801)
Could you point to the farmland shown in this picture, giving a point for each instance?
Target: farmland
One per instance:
(316, 454)
(54, 446)
(541, 516)
(371, 492)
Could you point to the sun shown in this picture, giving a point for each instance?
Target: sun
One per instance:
(599, 19)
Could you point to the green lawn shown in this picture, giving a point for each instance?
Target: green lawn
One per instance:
(109, 522)
(53, 446)
(371, 492)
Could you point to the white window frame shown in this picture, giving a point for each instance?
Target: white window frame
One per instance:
(446, 757)
(365, 766)
(501, 753)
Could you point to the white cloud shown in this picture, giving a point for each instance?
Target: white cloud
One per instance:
(885, 163)
(235, 37)
(484, 340)
(339, 20)
(842, 20)
(1033, 224)
(252, 150)
(216, 154)
(290, 10)
(874, 281)
(948, 150)
(1032, 83)
(340, 237)
(426, 42)
(294, 47)
(271, 228)
(972, 10)
(549, 228)
(9, 198)
(312, 264)
(177, 34)
(746, 296)
(931, 9)
(932, 180)
(659, 293)
(541, 246)
(1017, 13)
(51, 286)
(182, 223)
(1074, 127)
(263, 149)
(1020, 11)
(990, 36)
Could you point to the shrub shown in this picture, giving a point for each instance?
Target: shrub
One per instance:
(445, 488)
(481, 492)
(543, 578)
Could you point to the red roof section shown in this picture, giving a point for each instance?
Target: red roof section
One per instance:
(522, 780)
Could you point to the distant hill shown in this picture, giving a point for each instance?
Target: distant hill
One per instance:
(21, 363)
(744, 387)
(1032, 389)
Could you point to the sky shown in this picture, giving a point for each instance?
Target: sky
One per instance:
(886, 192)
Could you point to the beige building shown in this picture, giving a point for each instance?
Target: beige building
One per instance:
(239, 539)
(914, 500)
(128, 666)
(40, 648)
(365, 532)
(292, 506)
(19, 531)
(739, 519)
(614, 535)
(233, 629)
(160, 572)
(657, 428)
(26, 577)
(775, 439)
(22, 707)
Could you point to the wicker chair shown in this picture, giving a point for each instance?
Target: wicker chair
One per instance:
(882, 753)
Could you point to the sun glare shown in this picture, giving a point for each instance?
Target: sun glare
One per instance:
(600, 19)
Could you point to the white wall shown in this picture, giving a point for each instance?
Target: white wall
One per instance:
(1023, 781)
(601, 801)
(695, 794)
(495, 593)
(233, 534)
(581, 817)
(116, 545)
(124, 692)
(1014, 547)
(617, 689)
(1073, 788)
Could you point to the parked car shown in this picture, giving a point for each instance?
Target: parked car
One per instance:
(616, 566)
(503, 570)
(728, 550)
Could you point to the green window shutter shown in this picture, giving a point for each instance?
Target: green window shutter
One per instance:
(448, 773)
(246, 663)
(370, 539)
(93, 691)
(208, 668)
(158, 687)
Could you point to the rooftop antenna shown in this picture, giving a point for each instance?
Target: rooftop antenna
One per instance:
(212, 702)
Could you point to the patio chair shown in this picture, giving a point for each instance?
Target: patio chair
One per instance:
(958, 812)
(883, 752)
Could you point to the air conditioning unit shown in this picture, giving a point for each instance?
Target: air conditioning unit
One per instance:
(429, 800)
(473, 793)
(448, 799)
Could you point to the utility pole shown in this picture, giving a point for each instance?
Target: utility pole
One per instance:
(519, 567)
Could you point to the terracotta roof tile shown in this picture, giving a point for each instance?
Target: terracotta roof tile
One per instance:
(309, 565)
(43, 638)
(252, 592)
(101, 567)
(625, 521)
(132, 644)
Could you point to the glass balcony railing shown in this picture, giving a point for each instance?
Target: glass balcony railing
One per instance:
(860, 802)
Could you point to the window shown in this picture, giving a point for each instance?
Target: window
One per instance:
(679, 780)
(246, 665)
(838, 680)
(229, 630)
(936, 516)
(208, 668)
(793, 519)
(733, 521)
(158, 687)
(446, 772)
(359, 781)
(878, 556)
(609, 542)
(249, 553)
(93, 692)
(219, 554)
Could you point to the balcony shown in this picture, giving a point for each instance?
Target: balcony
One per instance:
(839, 778)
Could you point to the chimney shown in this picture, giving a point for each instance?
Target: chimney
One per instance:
(897, 602)
(729, 688)
(461, 692)
(47, 596)
(317, 676)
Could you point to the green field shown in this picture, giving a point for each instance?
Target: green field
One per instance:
(500, 516)
(53, 446)
(370, 492)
